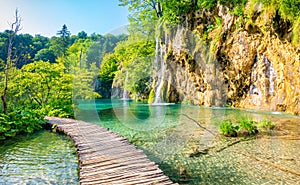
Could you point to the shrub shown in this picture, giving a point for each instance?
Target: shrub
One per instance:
(17, 122)
(266, 125)
(228, 129)
(247, 124)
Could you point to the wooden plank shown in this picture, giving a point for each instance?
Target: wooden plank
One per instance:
(107, 158)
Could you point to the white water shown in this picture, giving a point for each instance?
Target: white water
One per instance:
(178, 41)
(125, 95)
(160, 67)
(271, 79)
(271, 74)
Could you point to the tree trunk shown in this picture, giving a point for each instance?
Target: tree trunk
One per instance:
(195, 2)
(3, 98)
(15, 27)
(159, 10)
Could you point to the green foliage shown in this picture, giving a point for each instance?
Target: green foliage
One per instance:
(108, 67)
(288, 10)
(238, 10)
(186, 101)
(42, 85)
(151, 96)
(16, 122)
(100, 46)
(228, 129)
(266, 124)
(207, 3)
(296, 32)
(247, 124)
(64, 33)
(24, 47)
(107, 72)
(173, 9)
(51, 76)
(216, 40)
(145, 12)
(135, 56)
(39, 89)
(45, 54)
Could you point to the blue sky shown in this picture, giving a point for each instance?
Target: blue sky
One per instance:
(46, 17)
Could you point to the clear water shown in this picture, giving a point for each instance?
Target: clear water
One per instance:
(40, 158)
(167, 134)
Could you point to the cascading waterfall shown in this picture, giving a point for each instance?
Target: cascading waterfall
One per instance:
(270, 73)
(178, 41)
(271, 79)
(125, 95)
(160, 67)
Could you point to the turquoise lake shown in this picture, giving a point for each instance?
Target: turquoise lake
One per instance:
(183, 140)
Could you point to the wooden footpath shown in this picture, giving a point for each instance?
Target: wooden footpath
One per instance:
(107, 158)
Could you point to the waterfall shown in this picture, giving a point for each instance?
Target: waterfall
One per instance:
(178, 41)
(270, 73)
(160, 67)
(125, 95)
(271, 79)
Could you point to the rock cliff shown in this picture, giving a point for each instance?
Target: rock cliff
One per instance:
(245, 62)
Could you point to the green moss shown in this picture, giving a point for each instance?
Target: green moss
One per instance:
(151, 96)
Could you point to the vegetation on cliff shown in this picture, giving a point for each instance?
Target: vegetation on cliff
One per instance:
(252, 41)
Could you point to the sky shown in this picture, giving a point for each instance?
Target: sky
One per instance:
(46, 17)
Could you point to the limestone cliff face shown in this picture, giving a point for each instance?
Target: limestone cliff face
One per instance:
(254, 66)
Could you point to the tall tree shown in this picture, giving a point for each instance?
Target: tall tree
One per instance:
(64, 39)
(64, 32)
(142, 15)
(144, 5)
(8, 64)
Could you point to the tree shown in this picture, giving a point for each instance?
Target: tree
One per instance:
(24, 47)
(64, 32)
(101, 46)
(46, 55)
(15, 28)
(108, 68)
(82, 35)
(135, 56)
(64, 39)
(144, 5)
(144, 11)
(42, 86)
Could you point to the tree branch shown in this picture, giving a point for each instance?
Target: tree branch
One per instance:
(15, 27)
(199, 124)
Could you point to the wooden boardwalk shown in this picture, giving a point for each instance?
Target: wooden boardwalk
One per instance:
(107, 158)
